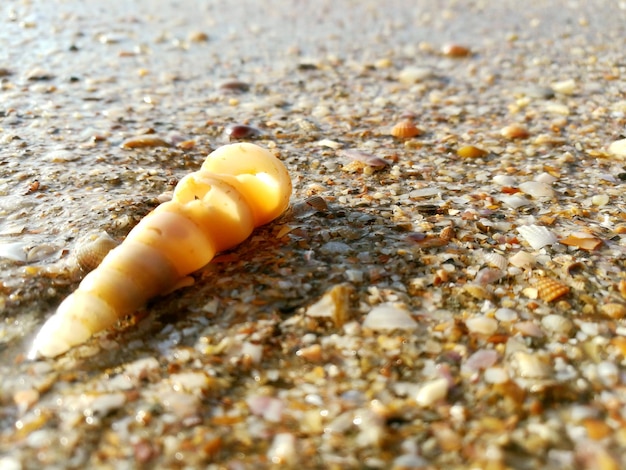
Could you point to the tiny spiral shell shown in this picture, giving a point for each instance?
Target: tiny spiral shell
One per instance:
(550, 289)
(91, 250)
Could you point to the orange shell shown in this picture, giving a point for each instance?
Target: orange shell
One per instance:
(614, 310)
(550, 289)
(405, 130)
(469, 151)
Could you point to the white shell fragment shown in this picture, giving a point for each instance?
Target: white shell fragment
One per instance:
(515, 201)
(504, 180)
(536, 189)
(482, 325)
(522, 259)
(618, 149)
(537, 236)
(431, 392)
(496, 260)
(283, 449)
(411, 75)
(389, 317)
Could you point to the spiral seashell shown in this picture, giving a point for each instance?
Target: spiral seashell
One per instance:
(91, 250)
(238, 188)
(550, 289)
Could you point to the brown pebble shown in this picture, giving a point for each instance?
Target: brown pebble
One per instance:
(242, 131)
(234, 86)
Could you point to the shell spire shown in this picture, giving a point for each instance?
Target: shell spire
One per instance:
(239, 187)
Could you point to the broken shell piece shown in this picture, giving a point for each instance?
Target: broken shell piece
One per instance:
(618, 149)
(90, 251)
(537, 189)
(142, 141)
(550, 289)
(582, 240)
(335, 303)
(388, 317)
(496, 260)
(523, 259)
(614, 310)
(537, 236)
(530, 366)
(431, 392)
(366, 158)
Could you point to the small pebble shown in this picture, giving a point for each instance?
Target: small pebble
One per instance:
(565, 87)
(411, 75)
(431, 392)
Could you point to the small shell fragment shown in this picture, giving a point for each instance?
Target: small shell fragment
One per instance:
(335, 303)
(522, 259)
(431, 392)
(550, 289)
(388, 317)
(144, 141)
(482, 325)
(514, 131)
(536, 189)
(530, 366)
(411, 75)
(618, 149)
(367, 158)
(614, 310)
(405, 130)
(557, 324)
(537, 236)
(496, 260)
(582, 240)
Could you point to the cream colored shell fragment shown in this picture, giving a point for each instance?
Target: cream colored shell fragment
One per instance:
(239, 187)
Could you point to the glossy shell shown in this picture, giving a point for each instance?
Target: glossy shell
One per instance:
(238, 188)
